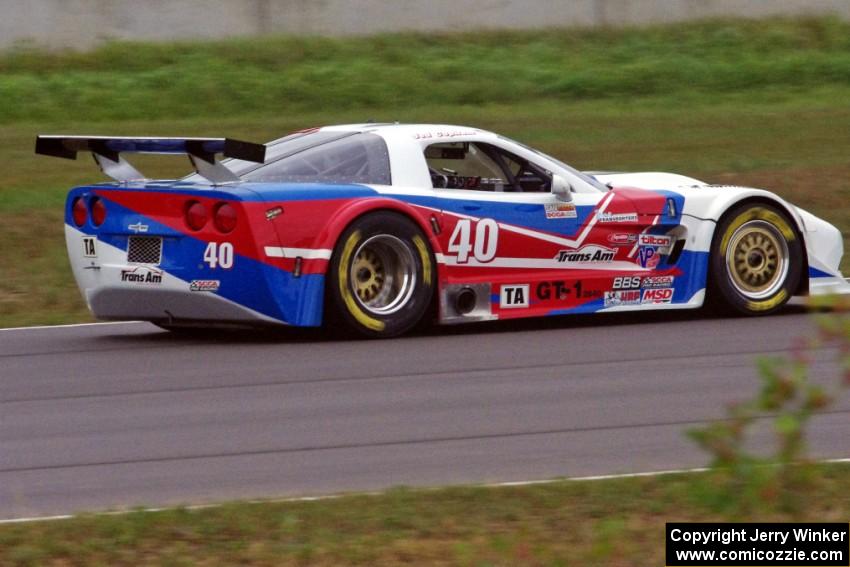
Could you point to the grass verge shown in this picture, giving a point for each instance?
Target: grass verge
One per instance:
(608, 522)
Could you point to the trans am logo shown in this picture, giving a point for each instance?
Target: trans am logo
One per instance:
(141, 275)
(586, 254)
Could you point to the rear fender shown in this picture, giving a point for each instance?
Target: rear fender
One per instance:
(343, 218)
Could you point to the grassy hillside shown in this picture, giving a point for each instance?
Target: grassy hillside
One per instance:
(756, 103)
(281, 76)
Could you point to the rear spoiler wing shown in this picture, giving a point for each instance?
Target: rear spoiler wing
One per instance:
(107, 153)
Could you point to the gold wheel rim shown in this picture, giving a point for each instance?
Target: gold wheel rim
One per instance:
(369, 275)
(382, 274)
(757, 259)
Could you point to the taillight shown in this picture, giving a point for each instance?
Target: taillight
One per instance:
(195, 215)
(224, 217)
(78, 211)
(98, 211)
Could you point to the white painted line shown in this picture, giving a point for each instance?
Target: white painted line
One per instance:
(505, 484)
(70, 325)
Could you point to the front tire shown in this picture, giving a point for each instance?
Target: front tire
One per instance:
(381, 276)
(756, 260)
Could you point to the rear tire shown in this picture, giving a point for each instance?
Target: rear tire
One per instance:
(756, 260)
(381, 276)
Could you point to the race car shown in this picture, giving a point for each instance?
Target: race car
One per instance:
(377, 228)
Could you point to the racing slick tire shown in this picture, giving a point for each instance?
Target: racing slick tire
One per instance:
(381, 276)
(756, 260)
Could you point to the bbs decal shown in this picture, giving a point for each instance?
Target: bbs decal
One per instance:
(219, 255)
(627, 282)
(481, 245)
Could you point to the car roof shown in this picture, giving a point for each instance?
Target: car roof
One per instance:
(446, 131)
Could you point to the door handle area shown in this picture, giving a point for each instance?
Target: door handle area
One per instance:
(471, 207)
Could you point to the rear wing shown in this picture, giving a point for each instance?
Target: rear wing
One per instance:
(107, 153)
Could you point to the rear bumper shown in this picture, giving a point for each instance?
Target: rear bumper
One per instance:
(254, 294)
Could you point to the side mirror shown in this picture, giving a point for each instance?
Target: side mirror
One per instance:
(561, 188)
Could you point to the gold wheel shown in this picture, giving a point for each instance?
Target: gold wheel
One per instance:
(369, 275)
(383, 274)
(757, 259)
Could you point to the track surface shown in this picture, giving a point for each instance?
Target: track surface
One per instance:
(109, 416)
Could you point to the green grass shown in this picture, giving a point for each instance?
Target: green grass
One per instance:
(126, 81)
(613, 522)
(756, 103)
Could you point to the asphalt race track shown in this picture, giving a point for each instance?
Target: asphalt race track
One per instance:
(109, 416)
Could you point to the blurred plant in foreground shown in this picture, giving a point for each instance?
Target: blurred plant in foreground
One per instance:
(745, 480)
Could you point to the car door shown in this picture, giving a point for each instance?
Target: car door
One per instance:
(535, 251)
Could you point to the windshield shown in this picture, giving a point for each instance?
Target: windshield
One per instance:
(588, 178)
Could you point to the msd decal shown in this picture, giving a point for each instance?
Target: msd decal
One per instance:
(655, 296)
(513, 296)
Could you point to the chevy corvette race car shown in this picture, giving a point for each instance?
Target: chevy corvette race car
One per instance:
(378, 227)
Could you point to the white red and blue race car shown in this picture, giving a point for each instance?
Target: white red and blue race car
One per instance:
(378, 227)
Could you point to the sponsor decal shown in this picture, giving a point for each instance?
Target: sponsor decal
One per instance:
(586, 254)
(560, 211)
(622, 297)
(560, 290)
(273, 212)
(622, 239)
(627, 282)
(513, 296)
(141, 275)
(660, 295)
(552, 290)
(648, 257)
(204, 285)
(655, 240)
(443, 134)
(89, 248)
(657, 281)
(616, 217)
(138, 227)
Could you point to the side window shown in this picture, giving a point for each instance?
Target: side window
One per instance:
(358, 158)
(526, 176)
(483, 167)
(464, 165)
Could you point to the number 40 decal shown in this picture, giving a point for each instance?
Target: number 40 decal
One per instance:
(219, 255)
(483, 245)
